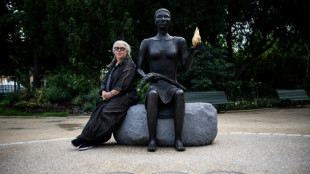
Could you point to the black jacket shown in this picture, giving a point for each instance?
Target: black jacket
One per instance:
(123, 79)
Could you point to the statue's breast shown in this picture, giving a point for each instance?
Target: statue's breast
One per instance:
(162, 49)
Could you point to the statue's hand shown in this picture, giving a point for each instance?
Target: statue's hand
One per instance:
(198, 46)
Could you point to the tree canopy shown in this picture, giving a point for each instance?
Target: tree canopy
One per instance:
(258, 39)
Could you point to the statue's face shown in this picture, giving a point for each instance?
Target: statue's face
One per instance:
(162, 19)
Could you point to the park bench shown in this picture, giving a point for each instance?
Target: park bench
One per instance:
(213, 97)
(292, 95)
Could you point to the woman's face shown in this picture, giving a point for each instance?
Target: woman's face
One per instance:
(120, 51)
(162, 19)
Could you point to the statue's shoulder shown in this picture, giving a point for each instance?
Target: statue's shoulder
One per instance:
(147, 41)
(178, 39)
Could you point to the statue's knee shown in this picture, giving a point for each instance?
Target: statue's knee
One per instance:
(179, 93)
(152, 94)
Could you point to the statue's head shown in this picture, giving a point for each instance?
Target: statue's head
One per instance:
(162, 9)
(162, 18)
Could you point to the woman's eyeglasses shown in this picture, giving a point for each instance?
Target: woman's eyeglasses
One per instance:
(119, 48)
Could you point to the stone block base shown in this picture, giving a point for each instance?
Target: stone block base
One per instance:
(200, 126)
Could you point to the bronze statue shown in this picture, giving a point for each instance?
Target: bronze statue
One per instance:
(164, 96)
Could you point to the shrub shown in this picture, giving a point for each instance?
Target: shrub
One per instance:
(89, 100)
(31, 98)
(59, 88)
(54, 94)
(13, 97)
(88, 106)
(141, 91)
(65, 87)
(247, 103)
(210, 71)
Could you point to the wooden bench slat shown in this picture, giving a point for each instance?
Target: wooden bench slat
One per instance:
(292, 95)
(297, 94)
(213, 97)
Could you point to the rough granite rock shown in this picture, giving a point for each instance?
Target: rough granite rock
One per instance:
(200, 126)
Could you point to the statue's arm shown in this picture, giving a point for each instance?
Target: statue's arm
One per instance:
(141, 57)
(187, 59)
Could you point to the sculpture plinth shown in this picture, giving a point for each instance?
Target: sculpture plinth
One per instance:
(200, 127)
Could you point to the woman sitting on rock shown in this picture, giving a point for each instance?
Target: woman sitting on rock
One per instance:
(118, 91)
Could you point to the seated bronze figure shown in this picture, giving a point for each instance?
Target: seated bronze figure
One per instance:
(164, 96)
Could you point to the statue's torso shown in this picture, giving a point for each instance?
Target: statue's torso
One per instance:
(163, 56)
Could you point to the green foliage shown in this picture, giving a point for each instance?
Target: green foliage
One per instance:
(281, 70)
(59, 88)
(15, 48)
(88, 100)
(141, 91)
(55, 94)
(55, 114)
(64, 87)
(28, 98)
(210, 71)
(261, 40)
(12, 112)
(244, 103)
(41, 100)
(233, 89)
(13, 97)
(88, 106)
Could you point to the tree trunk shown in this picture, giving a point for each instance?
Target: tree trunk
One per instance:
(229, 36)
(307, 68)
(36, 65)
(245, 67)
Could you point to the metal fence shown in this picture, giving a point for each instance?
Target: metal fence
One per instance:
(9, 84)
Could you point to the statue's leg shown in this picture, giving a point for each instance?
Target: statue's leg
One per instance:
(179, 119)
(152, 113)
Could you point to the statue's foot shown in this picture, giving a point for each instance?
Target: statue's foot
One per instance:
(152, 146)
(179, 146)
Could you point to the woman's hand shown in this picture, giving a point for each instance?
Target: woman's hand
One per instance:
(108, 95)
(105, 95)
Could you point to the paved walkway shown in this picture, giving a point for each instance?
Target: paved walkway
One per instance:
(259, 141)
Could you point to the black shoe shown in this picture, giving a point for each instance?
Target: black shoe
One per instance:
(85, 146)
(76, 142)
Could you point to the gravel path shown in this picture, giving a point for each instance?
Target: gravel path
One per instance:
(260, 141)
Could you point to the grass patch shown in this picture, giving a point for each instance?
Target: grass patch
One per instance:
(12, 112)
(56, 114)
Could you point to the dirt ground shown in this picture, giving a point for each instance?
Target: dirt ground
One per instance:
(274, 120)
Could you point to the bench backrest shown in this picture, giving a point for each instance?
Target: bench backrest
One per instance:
(285, 94)
(214, 97)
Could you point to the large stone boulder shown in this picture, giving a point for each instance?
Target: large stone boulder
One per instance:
(200, 126)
